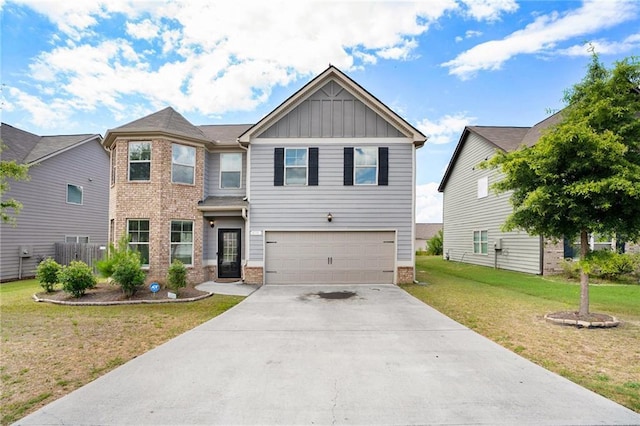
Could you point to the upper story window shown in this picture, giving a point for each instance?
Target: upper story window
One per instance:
(483, 187)
(74, 194)
(366, 166)
(480, 242)
(183, 164)
(113, 166)
(295, 166)
(230, 170)
(139, 161)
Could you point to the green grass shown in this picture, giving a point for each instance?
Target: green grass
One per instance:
(509, 308)
(50, 350)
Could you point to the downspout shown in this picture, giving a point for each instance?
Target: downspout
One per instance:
(245, 216)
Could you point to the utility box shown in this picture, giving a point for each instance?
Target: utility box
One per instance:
(25, 251)
(497, 244)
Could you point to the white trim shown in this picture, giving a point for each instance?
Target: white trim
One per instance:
(413, 210)
(193, 241)
(254, 264)
(139, 161)
(473, 241)
(81, 203)
(147, 243)
(284, 165)
(405, 264)
(331, 141)
(355, 167)
(195, 155)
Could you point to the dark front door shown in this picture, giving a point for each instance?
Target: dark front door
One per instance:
(229, 253)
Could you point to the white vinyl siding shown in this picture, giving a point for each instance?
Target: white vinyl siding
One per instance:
(465, 213)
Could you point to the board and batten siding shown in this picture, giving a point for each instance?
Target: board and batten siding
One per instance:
(212, 176)
(465, 213)
(357, 207)
(46, 218)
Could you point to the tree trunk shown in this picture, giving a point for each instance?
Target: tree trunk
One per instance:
(584, 277)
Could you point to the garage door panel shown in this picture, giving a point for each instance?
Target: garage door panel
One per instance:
(330, 257)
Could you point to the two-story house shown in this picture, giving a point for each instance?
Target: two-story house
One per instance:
(65, 199)
(321, 190)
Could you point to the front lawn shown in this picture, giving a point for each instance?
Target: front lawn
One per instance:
(50, 350)
(508, 307)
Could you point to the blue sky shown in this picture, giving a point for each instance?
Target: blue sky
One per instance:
(88, 66)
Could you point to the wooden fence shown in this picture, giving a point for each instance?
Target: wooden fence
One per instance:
(88, 253)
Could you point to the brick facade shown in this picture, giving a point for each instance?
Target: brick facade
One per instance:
(405, 275)
(253, 275)
(160, 201)
(553, 256)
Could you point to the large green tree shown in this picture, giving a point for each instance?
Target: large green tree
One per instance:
(583, 175)
(14, 171)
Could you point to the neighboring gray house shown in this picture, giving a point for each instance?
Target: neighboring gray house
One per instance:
(424, 232)
(65, 200)
(321, 190)
(473, 213)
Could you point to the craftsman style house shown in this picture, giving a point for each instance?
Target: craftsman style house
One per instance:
(65, 199)
(321, 190)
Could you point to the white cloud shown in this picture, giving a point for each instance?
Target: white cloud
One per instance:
(46, 115)
(446, 129)
(469, 34)
(489, 10)
(542, 35)
(428, 203)
(604, 47)
(146, 30)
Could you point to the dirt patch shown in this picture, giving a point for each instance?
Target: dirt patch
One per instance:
(105, 293)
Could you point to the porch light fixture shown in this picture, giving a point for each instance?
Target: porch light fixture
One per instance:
(329, 217)
(212, 223)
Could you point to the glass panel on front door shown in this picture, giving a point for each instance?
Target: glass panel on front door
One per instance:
(229, 253)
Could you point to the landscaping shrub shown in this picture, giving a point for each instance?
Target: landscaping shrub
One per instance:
(434, 245)
(47, 274)
(177, 276)
(608, 264)
(128, 273)
(114, 254)
(570, 268)
(76, 278)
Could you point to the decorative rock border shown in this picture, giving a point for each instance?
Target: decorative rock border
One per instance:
(121, 302)
(605, 323)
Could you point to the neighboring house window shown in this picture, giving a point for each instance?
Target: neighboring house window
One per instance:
(483, 187)
(366, 166)
(76, 239)
(480, 242)
(139, 161)
(182, 241)
(113, 166)
(183, 164)
(138, 231)
(295, 166)
(230, 170)
(74, 194)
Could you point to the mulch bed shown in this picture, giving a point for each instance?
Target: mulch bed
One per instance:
(105, 293)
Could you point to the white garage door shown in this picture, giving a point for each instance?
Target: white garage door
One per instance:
(330, 257)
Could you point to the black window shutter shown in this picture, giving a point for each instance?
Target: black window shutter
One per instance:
(278, 167)
(348, 166)
(383, 167)
(313, 166)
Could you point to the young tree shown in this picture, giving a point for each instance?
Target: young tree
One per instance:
(10, 170)
(583, 175)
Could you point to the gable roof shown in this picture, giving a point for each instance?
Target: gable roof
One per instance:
(333, 73)
(27, 148)
(166, 121)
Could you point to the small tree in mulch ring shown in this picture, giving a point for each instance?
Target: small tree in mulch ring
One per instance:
(128, 273)
(77, 278)
(47, 274)
(177, 276)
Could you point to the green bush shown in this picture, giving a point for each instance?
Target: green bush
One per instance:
(114, 254)
(434, 245)
(76, 278)
(177, 276)
(570, 268)
(610, 265)
(128, 273)
(47, 274)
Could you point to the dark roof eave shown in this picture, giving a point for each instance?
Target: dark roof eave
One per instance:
(114, 134)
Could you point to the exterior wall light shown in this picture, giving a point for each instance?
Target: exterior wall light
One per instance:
(212, 223)
(329, 217)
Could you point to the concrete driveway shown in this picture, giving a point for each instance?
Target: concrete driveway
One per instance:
(367, 354)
